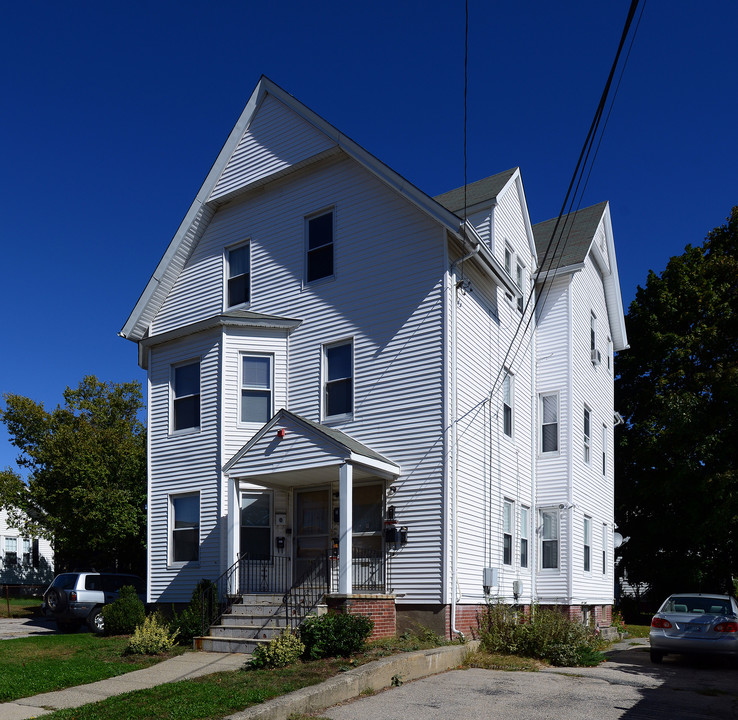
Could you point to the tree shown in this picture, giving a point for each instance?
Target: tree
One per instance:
(86, 465)
(677, 483)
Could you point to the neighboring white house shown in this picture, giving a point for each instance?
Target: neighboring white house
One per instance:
(23, 560)
(339, 363)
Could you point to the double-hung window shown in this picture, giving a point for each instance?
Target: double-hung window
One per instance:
(186, 396)
(338, 372)
(524, 531)
(604, 449)
(239, 275)
(507, 404)
(507, 532)
(587, 544)
(550, 539)
(550, 423)
(26, 551)
(604, 548)
(319, 260)
(185, 527)
(519, 274)
(587, 434)
(256, 388)
(11, 551)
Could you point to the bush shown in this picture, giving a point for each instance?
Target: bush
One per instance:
(278, 652)
(544, 634)
(188, 624)
(335, 634)
(124, 614)
(152, 638)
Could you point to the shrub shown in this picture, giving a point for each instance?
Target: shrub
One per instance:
(544, 634)
(188, 624)
(124, 614)
(152, 638)
(335, 634)
(278, 652)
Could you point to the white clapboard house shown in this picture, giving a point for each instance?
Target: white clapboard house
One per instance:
(24, 560)
(351, 399)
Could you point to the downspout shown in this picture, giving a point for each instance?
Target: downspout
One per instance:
(534, 455)
(454, 440)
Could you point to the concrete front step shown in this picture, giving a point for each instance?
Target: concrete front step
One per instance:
(260, 632)
(252, 609)
(227, 644)
(257, 620)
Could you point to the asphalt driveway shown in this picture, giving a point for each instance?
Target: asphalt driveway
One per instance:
(627, 686)
(25, 627)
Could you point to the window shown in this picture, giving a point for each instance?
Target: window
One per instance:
(609, 354)
(550, 539)
(11, 551)
(239, 275)
(587, 434)
(549, 423)
(35, 553)
(26, 551)
(186, 403)
(367, 521)
(592, 333)
(604, 449)
(256, 524)
(587, 544)
(256, 388)
(320, 247)
(507, 404)
(604, 548)
(508, 260)
(524, 529)
(507, 529)
(185, 525)
(339, 381)
(519, 283)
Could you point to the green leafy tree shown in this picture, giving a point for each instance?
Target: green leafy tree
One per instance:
(86, 473)
(677, 483)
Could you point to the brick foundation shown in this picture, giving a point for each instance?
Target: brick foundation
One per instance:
(380, 608)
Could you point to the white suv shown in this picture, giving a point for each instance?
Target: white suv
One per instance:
(78, 597)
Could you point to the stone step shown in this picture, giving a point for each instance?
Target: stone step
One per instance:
(260, 632)
(260, 599)
(256, 620)
(227, 644)
(251, 609)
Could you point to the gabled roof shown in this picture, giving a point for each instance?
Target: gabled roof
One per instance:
(478, 193)
(574, 236)
(203, 207)
(573, 243)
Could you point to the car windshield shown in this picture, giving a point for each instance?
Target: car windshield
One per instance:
(696, 605)
(66, 581)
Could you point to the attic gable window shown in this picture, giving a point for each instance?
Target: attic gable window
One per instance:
(239, 275)
(186, 396)
(319, 258)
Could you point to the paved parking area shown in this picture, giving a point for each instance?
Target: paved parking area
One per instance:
(25, 627)
(628, 686)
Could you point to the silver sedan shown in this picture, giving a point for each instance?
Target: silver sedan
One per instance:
(695, 623)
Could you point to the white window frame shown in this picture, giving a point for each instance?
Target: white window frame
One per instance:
(587, 544)
(171, 534)
(610, 358)
(592, 331)
(520, 282)
(308, 250)
(604, 548)
(555, 537)
(173, 398)
(587, 436)
(508, 404)
(508, 536)
(227, 290)
(325, 382)
(605, 437)
(26, 544)
(543, 424)
(524, 537)
(242, 387)
(10, 556)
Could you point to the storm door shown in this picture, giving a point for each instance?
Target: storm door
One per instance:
(312, 527)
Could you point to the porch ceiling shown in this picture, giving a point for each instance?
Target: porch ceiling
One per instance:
(307, 477)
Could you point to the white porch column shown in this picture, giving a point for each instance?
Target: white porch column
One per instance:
(233, 525)
(345, 503)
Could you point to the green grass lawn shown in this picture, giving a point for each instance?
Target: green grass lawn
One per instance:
(29, 666)
(639, 631)
(20, 607)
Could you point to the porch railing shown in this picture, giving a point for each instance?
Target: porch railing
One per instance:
(307, 591)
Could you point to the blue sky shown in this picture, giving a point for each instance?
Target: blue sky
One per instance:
(114, 111)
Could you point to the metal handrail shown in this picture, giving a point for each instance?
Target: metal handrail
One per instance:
(307, 591)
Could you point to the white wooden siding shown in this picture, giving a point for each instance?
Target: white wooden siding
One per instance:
(276, 139)
(21, 573)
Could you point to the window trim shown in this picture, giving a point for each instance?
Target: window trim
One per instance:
(587, 436)
(241, 387)
(10, 557)
(325, 382)
(508, 408)
(524, 537)
(227, 275)
(587, 544)
(604, 548)
(605, 439)
(308, 250)
(173, 397)
(508, 535)
(520, 281)
(556, 451)
(170, 554)
(592, 331)
(553, 512)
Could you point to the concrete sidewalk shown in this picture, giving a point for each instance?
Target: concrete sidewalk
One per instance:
(182, 667)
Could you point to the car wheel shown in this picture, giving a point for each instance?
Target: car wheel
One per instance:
(96, 621)
(56, 600)
(657, 656)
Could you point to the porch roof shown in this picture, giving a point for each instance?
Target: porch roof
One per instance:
(291, 450)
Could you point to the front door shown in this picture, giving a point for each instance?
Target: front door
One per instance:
(312, 527)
